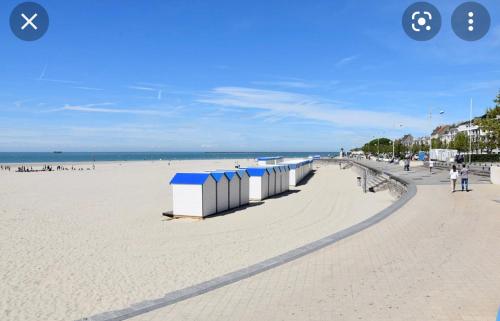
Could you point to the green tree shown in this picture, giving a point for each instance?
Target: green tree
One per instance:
(461, 142)
(384, 145)
(491, 125)
(437, 143)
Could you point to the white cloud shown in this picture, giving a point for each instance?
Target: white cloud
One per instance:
(346, 60)
(289, 84)
(142, 88)
(93, 108)
(288, 104)
(88, 88)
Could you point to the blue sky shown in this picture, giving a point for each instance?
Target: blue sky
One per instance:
(274, 75)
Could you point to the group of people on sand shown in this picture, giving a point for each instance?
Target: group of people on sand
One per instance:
(463, 174)
(45, 168)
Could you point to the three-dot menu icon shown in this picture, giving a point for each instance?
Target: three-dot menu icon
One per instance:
(470, 21)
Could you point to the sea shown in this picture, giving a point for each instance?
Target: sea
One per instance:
(73, 157)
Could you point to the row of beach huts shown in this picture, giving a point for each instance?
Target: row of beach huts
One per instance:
(207, 193)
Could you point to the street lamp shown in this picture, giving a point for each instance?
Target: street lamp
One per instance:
(394, 143)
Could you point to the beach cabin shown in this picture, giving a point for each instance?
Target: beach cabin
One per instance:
(293, 174)
(286, 184)
(284, 180)
(272, 160)
(222, 191)
(194, 194)
(280, 179)
(258, 183)
(244, 186)
(233, 187)
(300, 169)
(272, 181)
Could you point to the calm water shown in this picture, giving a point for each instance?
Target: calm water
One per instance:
(28, 157)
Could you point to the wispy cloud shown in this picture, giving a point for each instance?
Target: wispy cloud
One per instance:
(151, 87)
(287, 84)
(114, 110)
(288, 104)
(346, 60)
(88, 88)
(99, 108)
(43, 78)
(144, 88)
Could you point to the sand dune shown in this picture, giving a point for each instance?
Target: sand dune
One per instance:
(74, 244)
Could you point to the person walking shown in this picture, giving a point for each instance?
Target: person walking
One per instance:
(464, 174)
(453, 178)
(431, 165)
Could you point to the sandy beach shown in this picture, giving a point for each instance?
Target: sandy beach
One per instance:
(76, 243)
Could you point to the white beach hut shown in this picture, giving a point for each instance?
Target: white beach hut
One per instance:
(279, 179)
(244, 186)
(258, 183)
(234, 187)
(271, 160)
(222, 191)
(300, 170)
(284, 178)
(293, 174)
(194, 194)
(272, 180)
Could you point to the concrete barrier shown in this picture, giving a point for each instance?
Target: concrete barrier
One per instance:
(495, 175)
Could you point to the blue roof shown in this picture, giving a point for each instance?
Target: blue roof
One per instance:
(218, 175)
(256, 171)
(189, 178)
(229, 173)
(269, 158)
(292, 166)
(241, 172)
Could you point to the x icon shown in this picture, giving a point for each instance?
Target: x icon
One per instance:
(29, 22)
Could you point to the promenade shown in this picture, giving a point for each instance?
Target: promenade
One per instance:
(436, 258)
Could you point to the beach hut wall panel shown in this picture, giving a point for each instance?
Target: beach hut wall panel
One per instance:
(271, 181)
(222, 191)
(193, 194)
(234, 187)
(292, 175)
(244, 186)
(281, 182)
(284, 178)
(258, 183)
(286, 184)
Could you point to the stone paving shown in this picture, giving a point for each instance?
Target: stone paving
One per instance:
(436, 258)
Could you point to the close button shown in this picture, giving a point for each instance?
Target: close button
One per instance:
(29, 21)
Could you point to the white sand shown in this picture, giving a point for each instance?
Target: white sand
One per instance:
(74, 244)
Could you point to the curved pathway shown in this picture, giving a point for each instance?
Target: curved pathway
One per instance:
(436, 258)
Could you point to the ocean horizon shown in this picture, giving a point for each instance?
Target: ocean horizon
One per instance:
(67, 157)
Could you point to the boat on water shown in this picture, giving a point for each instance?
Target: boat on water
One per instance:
(57, 152)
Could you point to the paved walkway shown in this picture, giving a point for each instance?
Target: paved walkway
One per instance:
(437, 258)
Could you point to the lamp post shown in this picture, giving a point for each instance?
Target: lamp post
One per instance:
(394, 143)
(470, 132)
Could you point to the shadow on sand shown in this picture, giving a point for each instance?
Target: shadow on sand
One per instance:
(306, 179)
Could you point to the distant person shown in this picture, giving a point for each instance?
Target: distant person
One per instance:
(431, 165)
(464, 174)
(453, 178)
(407, 164)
